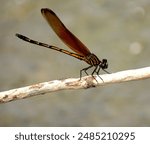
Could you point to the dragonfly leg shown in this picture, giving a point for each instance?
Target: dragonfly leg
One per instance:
(97, 72)
(94, 72)
(85, 70)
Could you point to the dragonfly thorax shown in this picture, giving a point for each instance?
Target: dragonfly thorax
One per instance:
(92, 59)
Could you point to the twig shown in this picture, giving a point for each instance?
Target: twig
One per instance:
(73, 83)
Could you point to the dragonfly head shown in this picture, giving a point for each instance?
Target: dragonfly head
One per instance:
(104, 64)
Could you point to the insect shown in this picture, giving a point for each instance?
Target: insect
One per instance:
(81, 51)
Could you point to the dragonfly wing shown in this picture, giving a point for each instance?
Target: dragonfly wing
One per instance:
(63, 33)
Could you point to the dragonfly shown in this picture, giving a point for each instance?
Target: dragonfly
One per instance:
(81, 51)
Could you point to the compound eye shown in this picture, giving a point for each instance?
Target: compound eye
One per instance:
(104, 60)
(104, 64)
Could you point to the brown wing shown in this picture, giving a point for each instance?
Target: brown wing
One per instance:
(64, 34)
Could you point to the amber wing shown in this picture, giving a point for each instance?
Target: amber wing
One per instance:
(63, 33)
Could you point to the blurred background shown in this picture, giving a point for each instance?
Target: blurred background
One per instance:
(116, 30)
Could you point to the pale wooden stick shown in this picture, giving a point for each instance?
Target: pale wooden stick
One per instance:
(73, 83)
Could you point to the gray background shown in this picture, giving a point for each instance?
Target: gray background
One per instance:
(117, 30)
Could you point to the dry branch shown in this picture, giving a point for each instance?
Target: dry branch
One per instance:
(73, 83)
